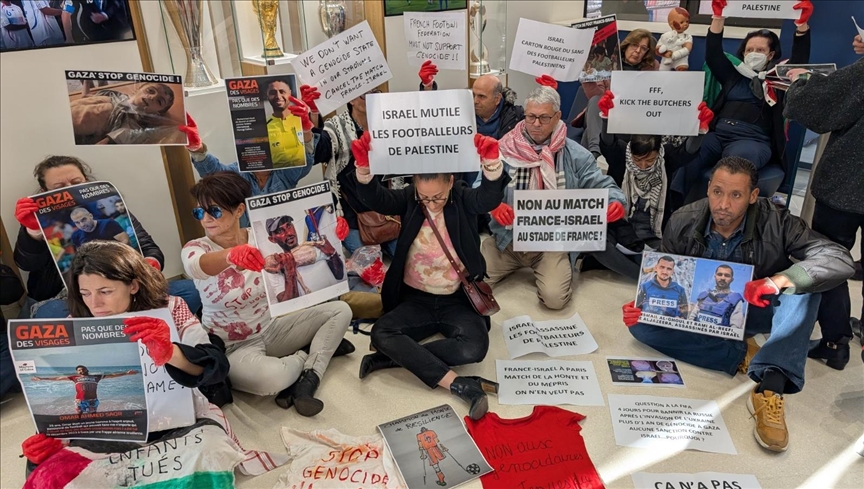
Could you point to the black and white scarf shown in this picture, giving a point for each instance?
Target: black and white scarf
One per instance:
(647, 184)
(342, 131)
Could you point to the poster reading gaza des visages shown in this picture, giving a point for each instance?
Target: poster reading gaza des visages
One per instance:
(560, 220)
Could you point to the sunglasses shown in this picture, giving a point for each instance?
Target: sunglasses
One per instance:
(214, 210)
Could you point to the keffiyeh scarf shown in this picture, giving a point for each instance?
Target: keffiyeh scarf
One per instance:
(342, 132)
(649, 184)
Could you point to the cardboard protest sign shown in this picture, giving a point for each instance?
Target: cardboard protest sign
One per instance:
(550, 49)
(549, 383)
(126, 108)
(605, 53)
(693, 294)
(266, 135)
(433, 442)
(656, 102)
(343, 67)
(560, 220)
(860, 30)
(422, 132)
(555, 338)
(755, 9)
(296, 232)
(75, 215)
(669, 423)
(631, 371)
(436, 36)
(701, 480)
(81, 378)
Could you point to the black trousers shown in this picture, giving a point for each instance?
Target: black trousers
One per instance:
(836, 305)
(421, 315)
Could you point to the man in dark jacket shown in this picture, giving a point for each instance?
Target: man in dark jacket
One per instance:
(734, 225)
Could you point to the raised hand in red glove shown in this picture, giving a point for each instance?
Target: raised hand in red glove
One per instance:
(705, 115)
(806, 8)
(756, 290)
(614, 212)
(155, 335)
(503, 214)
(153, 262)
(427, 72)
(631, 313)
(360, 148)
(605, 103)
(39, 448)
(25, 212)
(300, 110)
(309, 95)
(341, 228)
(717, 7)
(547, 81)
(487, 147)
(246, 257)
(192, 134)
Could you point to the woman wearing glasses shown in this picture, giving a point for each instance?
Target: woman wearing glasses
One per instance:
(266, 354)
(421, 291)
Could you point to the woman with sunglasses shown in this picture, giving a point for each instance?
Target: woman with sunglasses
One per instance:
(267, 354)
(421, 291)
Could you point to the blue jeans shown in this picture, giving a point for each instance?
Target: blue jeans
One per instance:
(352, 243)
(184, 289)
(790, 324)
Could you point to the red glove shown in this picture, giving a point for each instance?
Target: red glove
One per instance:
(605, 103)
(247, 257)
(487, 147)
(705, 115)
(25, 212)
(614, 212)
(39, 448)
(755, 290)
(717, 7)
(191, 131)
(360, 148)
(547, 81)
(300, 110)
(309, 95)
(503, 214)
(631, 313)
(427, 72)
(341, 228)
(155, 335)
(153, 262)
(806, 8)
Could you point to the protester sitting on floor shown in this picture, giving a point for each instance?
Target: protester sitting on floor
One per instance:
(11, 291)
(108, 278)
(537, 155)
(734, 225)
(33, 255)
(266, 353)
(421, 290)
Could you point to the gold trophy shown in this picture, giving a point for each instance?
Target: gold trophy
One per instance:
(267, 12)
(479, 54)
(185, 16)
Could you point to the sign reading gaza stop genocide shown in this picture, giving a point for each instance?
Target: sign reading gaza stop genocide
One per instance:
(560, 220)
(665, 103)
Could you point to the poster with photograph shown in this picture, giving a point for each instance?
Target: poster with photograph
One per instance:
(33, 24)
(82, 378)
(266, 135)
(75, 215)
(398, 7)
(630, 371)
(605, 53)
(432, 448)
(824, 69)
(126, 108)
(693, 294)
(296, 233)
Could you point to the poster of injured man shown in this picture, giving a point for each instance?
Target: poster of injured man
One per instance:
(295, 231)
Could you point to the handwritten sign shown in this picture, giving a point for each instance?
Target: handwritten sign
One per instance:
(560, 220)
(755, 9)
(436, 36)
(343, 67)
(669, 423)
(548, 382)
(422, 132)
(555, 50)
(556, 338)
(702, 480)
(655, 102)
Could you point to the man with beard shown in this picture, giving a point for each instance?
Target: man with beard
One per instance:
(662, 295)
(90, 229)
(86, 398)
(284, 130)
(720, 306)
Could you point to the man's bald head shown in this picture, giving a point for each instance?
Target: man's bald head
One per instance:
(487, 95)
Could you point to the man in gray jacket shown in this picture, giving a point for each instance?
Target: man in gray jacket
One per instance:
(733, 224)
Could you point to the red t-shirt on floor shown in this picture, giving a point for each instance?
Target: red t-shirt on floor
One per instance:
(543, 450)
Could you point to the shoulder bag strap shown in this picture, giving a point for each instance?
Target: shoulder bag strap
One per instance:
(461, 273)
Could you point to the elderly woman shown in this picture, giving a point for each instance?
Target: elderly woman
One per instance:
(266, 353)
(421, 291)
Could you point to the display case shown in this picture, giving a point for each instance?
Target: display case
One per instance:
(335, 17)
(487, 37)
(269, 32)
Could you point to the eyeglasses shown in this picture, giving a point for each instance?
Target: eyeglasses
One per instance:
(214, 210)
(544, 119)
(432, 200)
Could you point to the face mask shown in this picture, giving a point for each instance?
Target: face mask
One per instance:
(756, 61)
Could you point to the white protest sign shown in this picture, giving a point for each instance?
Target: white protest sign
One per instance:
(422, 132)
(656, 102)
(701, 480)
(343, 67)
(860, 30)
(550, 49)
(436, 36)
(755, 9)
(550, 383)
(669, 423)
(556, 338)
(560, 220)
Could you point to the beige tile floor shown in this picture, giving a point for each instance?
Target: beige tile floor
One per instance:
(825, 420)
